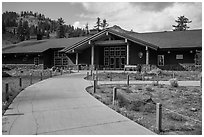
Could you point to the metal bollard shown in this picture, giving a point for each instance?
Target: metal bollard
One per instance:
(128, 80)
(7, 93)
(114, 95)
(158, 117)
(20, 82)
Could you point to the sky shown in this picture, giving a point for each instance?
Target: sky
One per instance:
(136, 16)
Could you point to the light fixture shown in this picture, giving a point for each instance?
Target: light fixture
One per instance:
(169, 52)
(140, 54)
(191, 51)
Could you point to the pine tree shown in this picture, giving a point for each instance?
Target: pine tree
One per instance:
(61, 28)
(98, 24)
(104, 24)
(181, 24)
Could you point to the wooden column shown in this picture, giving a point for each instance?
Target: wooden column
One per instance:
(128, 49)
(147, 56)
(92, 55)
(77, 58)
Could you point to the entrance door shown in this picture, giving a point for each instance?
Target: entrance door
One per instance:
(112, 62)
(117, 63)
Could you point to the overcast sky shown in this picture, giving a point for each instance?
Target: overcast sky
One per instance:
(141, 17)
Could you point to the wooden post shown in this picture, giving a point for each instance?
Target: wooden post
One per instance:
(95, 84)
(157, 78)
(51, 73)
(31, 79)
(114, 95)
(173, 75)
(91, 72)
(87, 74)
(61, 71)
(111, 76)
(93, 76)
(41, 75)
(128, 80)
(20, 82)
(158, 116)
(7, 92)
(69, 70)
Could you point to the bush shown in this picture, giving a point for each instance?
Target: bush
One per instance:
(173, 82)
(149, 88)
(122, 101)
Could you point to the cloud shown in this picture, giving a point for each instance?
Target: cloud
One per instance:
(76, 24)
(143, 17)
(152, 6)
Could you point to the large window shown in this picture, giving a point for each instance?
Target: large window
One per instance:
(60, 59)
(160, 60)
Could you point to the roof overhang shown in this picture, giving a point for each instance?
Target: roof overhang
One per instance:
(89, 41)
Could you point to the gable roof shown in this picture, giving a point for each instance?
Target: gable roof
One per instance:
(172, 39)
(154, 40)
(38, 46)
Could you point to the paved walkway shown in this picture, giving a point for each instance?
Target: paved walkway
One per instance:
(60, 105)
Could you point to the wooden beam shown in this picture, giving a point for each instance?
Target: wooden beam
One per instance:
(128, 48)
(147, 56)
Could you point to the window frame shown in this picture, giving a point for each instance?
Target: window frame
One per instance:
(158, 60)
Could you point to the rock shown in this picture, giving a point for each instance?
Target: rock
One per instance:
(194, 109)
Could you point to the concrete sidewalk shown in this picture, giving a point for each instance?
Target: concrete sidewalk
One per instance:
(60, 105)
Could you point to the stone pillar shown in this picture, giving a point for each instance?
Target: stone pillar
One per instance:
(147, 56)
(128, 48)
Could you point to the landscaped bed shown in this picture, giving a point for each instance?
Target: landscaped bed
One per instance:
(181, 106)
(163, 75)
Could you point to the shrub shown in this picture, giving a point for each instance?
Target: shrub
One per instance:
(149, 88)
(136, 105)
(122, 101)
(173, 82)
(176, 117)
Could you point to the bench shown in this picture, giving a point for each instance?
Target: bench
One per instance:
(130, 67)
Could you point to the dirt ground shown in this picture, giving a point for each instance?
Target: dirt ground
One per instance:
(181, 106)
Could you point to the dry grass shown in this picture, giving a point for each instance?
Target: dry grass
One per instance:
(178, 99)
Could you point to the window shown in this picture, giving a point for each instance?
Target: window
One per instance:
(198, 58)
(106, 61)
(106, 52)
(117, 51)
(36, 60)
(160, 60)
(179, 56)
(112, 51)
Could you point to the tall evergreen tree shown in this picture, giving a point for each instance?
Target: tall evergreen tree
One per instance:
(104, 24)
(20, 31)
(61, 28)
(87, 28)
(181, 24)
(98, 24)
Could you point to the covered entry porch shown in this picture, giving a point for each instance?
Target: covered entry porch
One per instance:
(109, 50)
